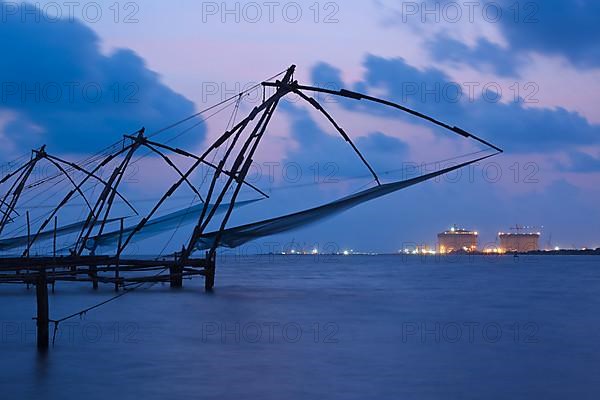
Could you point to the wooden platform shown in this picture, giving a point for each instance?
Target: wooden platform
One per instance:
(119, 272)
(104, 269)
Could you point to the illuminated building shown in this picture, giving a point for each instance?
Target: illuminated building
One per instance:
(519, 242)
(457, 240)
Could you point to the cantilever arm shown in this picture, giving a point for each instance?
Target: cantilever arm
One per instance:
(360, 96)
(3, 203)
(172, 165)
(66, 199)
(16, 189)
(318, 106)
(6, 178)
(91, 175)
(77, 187)
(15, 172)
(213, 166)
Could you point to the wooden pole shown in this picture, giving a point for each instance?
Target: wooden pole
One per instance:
(118, 258)
(43, 331)
(54, 254)
(176, 273)
(209, 279)
(28, 241)
(28, 232)
(176, 277)
(93, 273)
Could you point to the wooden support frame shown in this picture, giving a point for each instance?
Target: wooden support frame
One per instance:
(84, 266)
(43, 319)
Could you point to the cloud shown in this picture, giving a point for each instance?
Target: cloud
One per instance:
(511, 124)
(581, 162)
(62, 91)
(568, 28)
(379, 142)
(485, 55)
(554, 28)
(325, 75)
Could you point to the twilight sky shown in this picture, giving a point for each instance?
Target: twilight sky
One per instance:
(525, 76)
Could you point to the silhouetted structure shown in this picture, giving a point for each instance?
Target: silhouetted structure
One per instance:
(230, 156)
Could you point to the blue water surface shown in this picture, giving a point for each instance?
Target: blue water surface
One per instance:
(308, 327)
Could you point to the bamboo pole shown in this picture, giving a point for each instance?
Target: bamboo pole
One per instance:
(118, 257)
(54, 253)
(43, 332)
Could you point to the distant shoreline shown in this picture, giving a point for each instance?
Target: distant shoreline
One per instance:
(587, 252)
(573, 252)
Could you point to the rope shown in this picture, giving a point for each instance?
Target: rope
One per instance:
(383, 173)
(230, 123)
(214, 106)
(86, 310)
(115, 146)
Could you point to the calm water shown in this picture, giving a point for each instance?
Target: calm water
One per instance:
(386, 327)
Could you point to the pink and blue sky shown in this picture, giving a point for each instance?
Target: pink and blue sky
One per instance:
(525, 76)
